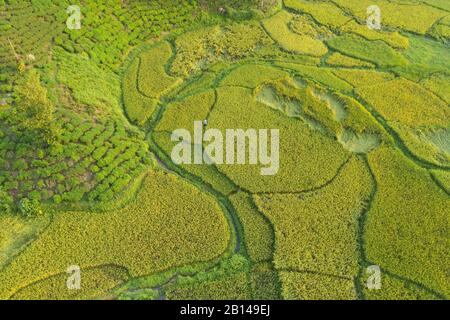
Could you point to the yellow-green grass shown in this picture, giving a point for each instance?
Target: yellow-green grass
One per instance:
(394, 39)
(321, 75)
(182, 114)
(338, 59)
(376, 51)
(302, 169)
(313, 286)
(359, 78)
(153, 81)
(94, 283)
(235, 287)
(169, 224)
(251, 76)
(406, 102)
(258, 237)
(208, 174)
(439, 84)
(318, 231)
(414, 17)
(278, 28)
(406, 230)
(138, 108)
(325, 13)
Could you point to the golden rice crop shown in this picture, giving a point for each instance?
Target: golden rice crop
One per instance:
(414, 17)
(338, 59)
(277, 27)
(182, 114)
(235, 287)
(325, 13)
(94, 283)
(406, 229)
(153, 81)
(316, 286)
(251, 76)
(322, 75)
(137, 107)
(359, 78)
(439, 84)
(156, 231)
(406, 102)
(317, 231)
(394, 39)
(258, 237)
(237, 108)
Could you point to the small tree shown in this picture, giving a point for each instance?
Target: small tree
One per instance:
(34, 111)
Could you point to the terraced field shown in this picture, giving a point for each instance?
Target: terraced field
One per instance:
(88, 178)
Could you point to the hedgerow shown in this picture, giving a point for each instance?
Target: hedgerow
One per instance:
(174, 236)
(278, 28)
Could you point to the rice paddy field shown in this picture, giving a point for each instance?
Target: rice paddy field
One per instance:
(91, 93)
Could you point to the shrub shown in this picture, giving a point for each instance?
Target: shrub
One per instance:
(30, 208)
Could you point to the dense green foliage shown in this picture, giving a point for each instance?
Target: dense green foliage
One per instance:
(86, 175)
